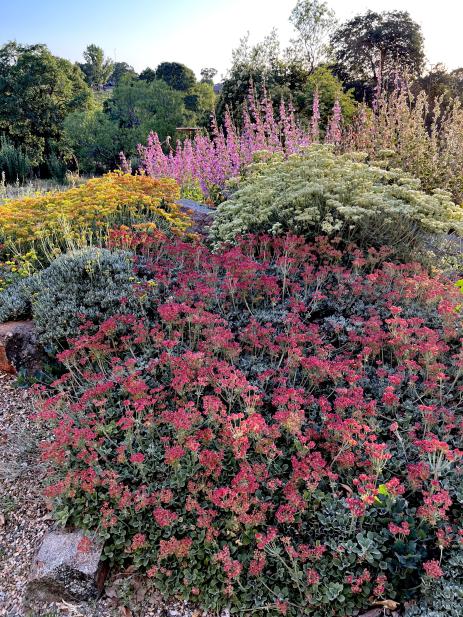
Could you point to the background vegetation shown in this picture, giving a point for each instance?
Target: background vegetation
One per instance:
(57, 117)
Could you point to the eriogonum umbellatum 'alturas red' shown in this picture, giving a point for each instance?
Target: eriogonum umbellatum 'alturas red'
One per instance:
(282, 430)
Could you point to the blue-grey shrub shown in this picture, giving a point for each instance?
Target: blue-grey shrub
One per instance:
(84, 285)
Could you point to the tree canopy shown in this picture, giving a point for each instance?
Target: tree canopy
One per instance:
(96, 68)
(265, 65)
(314, 22)
(147, 74)
(376, 46)
(119, 70)
(37, 91)
(176, 75)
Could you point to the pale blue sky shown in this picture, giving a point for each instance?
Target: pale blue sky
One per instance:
(198, 32)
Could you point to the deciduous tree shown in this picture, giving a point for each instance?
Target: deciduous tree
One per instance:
(376, 46)
(176, 75)
(314, 23)
(97, 68)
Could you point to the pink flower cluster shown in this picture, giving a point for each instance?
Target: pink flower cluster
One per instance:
(213, 159)
(241, 429)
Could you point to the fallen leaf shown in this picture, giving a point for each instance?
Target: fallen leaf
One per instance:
(391, 605)
(125, 612)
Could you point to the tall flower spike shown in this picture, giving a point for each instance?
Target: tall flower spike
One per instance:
(315, 123)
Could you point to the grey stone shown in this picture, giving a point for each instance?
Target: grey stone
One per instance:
(19, 347)
(200, 215)
(65, 569)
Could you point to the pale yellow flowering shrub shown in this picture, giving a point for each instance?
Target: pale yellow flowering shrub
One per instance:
(338, 195)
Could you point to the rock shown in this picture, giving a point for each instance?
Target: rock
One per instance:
(19, 347)
(67, 567)
(200, 215)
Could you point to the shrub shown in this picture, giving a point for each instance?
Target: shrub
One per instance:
(84, 286)
(83, 215)
(213, 159)
(14, 163)
(281, 432)
(321, 192)
(415, 133)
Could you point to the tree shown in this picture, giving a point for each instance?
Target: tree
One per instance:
(329, 89)
(207, 75)
(147, 75)
(441, 87)
(377, 46)
(314, 23)
(264, 65)
(138, 107)
(94, 139)
(176, 75)
(37, 91)
(201, 100)
(457, 83)
(119, 70)
(96, 68)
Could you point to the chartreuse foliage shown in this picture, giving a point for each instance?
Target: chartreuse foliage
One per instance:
(50, 223)
(280, 431)
(338, 195)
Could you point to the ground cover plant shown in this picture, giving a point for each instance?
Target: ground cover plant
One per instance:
(37, 228)
(280, 432)
(323, 192)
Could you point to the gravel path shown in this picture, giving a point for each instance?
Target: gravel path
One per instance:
(23, 515)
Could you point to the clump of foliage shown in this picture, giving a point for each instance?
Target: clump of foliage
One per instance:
(135, 107)
(37, 91)
(96, 68)
(176, 75)
(329, 89)
(281, 431)
(442, 597)
(414, 132)
(264, 64)
(86, 285)
(14, 163)
(64, 220)
(322, 192)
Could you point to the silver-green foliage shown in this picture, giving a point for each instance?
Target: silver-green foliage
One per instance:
(443, 597)
(82, 285)
(339, 195)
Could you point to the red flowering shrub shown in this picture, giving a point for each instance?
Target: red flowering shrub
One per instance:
(283, 430)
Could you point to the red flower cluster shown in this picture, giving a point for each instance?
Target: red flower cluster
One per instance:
(285, 411)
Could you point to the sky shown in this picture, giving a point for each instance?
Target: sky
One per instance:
(199, 33)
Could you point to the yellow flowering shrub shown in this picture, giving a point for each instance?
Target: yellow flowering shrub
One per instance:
(53, 222)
